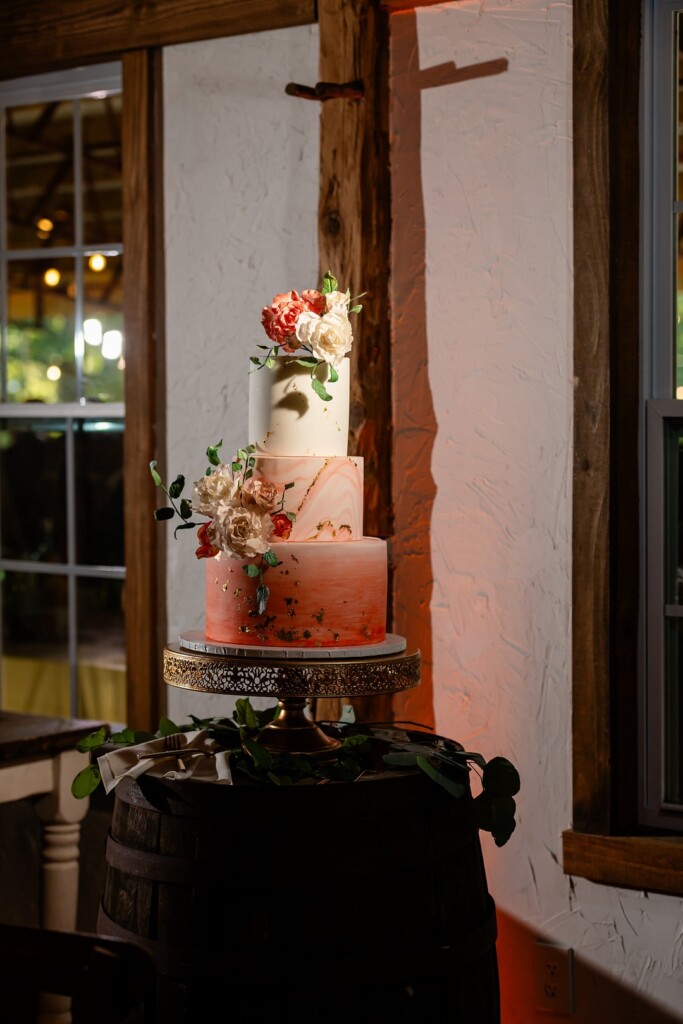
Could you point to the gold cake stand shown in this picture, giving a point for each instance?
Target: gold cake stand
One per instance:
(293, 682)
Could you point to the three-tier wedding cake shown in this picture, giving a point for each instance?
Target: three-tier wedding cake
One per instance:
(287, 564)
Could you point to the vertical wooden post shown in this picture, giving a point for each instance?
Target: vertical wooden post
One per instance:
(354, 224)
(354, 239)
(143, 320)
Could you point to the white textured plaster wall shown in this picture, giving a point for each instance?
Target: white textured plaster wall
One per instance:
(241, 193)
(496, 171)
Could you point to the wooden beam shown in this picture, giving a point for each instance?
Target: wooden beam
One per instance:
(650, 863)
(145, 591)
(41, 35)
(354, 239)
(591, 500)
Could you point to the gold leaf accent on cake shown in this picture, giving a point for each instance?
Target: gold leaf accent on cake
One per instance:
(312, 484)
(224, 587)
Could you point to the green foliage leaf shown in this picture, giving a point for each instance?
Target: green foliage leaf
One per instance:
(400, 759)
(470, 755)
(251, 569)
(266, 716)
(176, 488)
(310, 361)
(456, 789)
(287, 486)
(95, 739)
(334, 376)
(143, 737)
(270, 558)
(184, 526)
(236, 467)
(500, 778)
(260, 755)
(167, 727)
(124, 738)
(270, 362)
(241, 454)
(262, 595)
(255, 359)
(245, 714)
(320, 389)
(155, 476)
(86, 782)
(291, 516)
(212, 453)
(249, 473)
(185, 508)
(353, 742)
(355, 309)
(163, 513)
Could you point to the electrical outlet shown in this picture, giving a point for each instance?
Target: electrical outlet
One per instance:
(554, 982)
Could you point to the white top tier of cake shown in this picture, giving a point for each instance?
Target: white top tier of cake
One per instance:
(287, 417)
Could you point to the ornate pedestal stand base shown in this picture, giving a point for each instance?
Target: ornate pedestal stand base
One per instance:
(292, 681)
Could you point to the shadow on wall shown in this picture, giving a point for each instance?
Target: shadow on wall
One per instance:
(415, 423)
(597, 996)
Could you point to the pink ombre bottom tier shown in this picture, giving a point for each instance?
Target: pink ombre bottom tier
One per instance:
(322, 594)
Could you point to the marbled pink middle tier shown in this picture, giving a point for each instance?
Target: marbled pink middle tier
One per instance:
(327, 496)
(321, 595)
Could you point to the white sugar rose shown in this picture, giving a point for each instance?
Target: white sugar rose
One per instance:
(328, 336)
(213, 491)
(241, 532)
(337, 302)
(261, 493)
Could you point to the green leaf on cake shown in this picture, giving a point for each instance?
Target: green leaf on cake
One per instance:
(287, 486)
(252, 570)
(236, 467)
(163, 513)
(212, 453)
(310, 362)
(155, 476)
(255, 359)
(355, 309)
(176, 488)
(330, 283)
(320, 390)
(334, 376)
(270, 558)
(262, 595)
(185, 526)
(270, 362)
(291, 516)
(185, 509)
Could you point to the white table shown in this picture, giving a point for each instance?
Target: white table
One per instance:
(38, 759)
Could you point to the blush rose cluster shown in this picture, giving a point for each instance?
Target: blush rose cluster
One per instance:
(314, 327)
(244, 513)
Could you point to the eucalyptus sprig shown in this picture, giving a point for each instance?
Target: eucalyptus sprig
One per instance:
(173, 492)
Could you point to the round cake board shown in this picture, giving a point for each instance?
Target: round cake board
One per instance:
(196, 640)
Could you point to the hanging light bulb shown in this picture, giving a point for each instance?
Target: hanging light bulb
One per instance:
(97, 262)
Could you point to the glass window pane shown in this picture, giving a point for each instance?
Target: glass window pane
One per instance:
(103, 358)
(99, 495)
(35, 661)
(40, 175)
(101, 650)
(41, 365)
(33, 492)
(101, 131)
(673, 775)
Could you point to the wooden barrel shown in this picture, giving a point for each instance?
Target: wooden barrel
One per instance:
(329, 902)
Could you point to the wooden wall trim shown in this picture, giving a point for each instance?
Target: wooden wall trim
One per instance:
(591, 493)
(39, 35)
(145, 600)
(354, 242)
(650, 863)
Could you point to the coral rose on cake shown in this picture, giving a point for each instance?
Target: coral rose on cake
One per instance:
(280, 318)
(282, 525)
(315, 301)
(262, 493)
(329, 336)
(207, 548)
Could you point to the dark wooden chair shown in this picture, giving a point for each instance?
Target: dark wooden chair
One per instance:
(108, 980)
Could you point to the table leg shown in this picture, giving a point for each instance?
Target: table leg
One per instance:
(61, 814)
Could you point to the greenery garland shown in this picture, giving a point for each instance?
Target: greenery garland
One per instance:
(365, 749)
